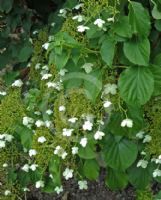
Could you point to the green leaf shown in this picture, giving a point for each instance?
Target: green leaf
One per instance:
(93, 84)
(120, 154)
(91, 169)
(116, 179)
(139, 177)
(6, 5)
(155, 12)
(108, 51)
(156, 70)
(136, 85)
(122, 27)
(87, 152)
(137, 51)
(25, 53)
(139, 19)
(55, 170)
(59, 60)
(158, 196)
(25, 136)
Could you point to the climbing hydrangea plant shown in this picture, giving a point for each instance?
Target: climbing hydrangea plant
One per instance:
(91, 100)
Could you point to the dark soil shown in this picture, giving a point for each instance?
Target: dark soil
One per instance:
(96, 191)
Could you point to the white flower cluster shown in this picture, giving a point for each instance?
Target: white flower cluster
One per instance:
(141, 135)
(68, 173)
(60, 152)
(157, 172)
(142, 163)
(127, 123)
(17, 83)
(28, 121)
(28, 167)
(5, 138)
(3, 93)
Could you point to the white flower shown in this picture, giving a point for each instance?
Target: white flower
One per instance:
(158, 161)
(41, 139)
(107, 104)
(8, 137)
(25, 168)
(79, 18)
(67, 132)
(68, 173)
(142, 163)
(127, 122)
(49, 112)
(110, 19)
(87, 126)
(87, 67)
(62, 13)
(99, 23)
(37, 113)
(39, 123)
(51, 84)
(82, 28)
(17, 83)
(46, 76)
(7, 192)
(39, 184)
(58, 190)
(83, 142)
(37, 66)
(74, 150)
(45, 46)
(3, 93)
(26, 189)
(156, 173)
(60, 152)
(32, 152)
(35, 32)
(62, 72)
(2, 144)
(5, 165)
(45, 67)
(33, 167)
(147, 138)
(110, 89)
(82, 185)
(27, 121)
(77, 7)
(2, 136)
(64, 154)
(140, 134)
(48, 123)
(98, 135)
(62, 108)
(73, 120)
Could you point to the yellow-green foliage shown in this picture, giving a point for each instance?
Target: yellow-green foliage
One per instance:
(11, 156)
(144, 194)
(45, 150)
(38, 54)
(76, 105)
(70, 26)
(153, 116)
(11, 110)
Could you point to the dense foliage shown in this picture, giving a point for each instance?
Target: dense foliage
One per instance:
(90, 98)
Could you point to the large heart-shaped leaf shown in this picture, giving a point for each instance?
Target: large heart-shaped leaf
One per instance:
(120, 153)
(139, 19)
(142, 176)
(116, 179)
(137, 51)
(91, 169)
(136, 85)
